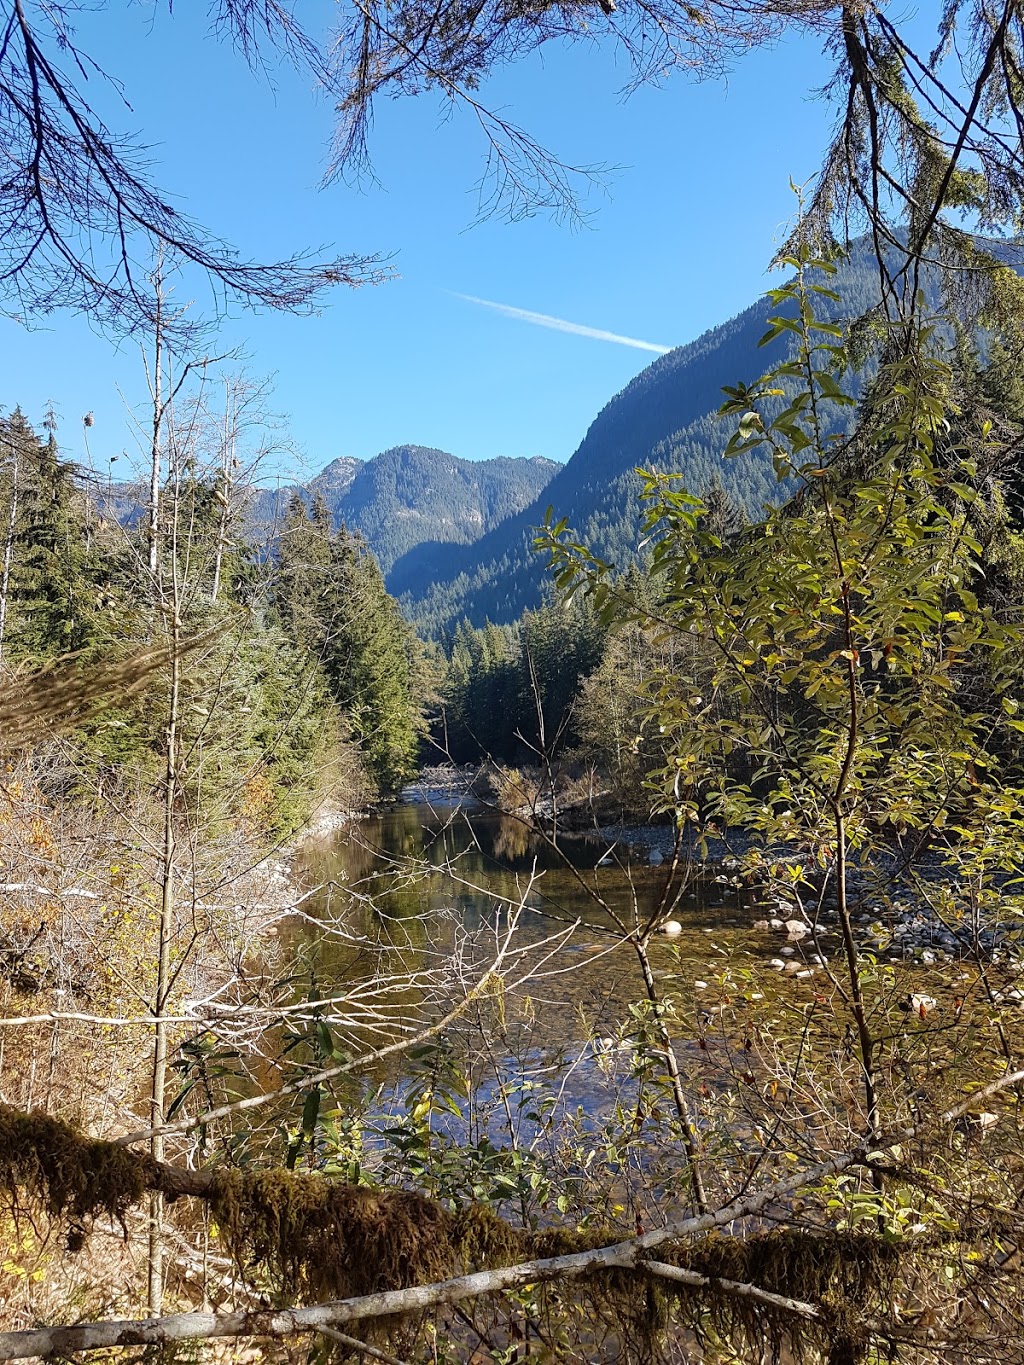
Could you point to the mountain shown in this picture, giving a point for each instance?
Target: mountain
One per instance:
(666, 419)
(399, 499)
(412, 495)
(334, 482)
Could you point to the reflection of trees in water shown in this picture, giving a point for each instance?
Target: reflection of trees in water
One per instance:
(511, 839)
(355, 861)
(389, 916)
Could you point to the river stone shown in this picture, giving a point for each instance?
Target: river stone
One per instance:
(984, 1119)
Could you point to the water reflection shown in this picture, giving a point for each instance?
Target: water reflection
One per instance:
(512, 839)
(409, 889)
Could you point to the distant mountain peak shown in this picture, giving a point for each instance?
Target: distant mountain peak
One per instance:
(335, 479)
(341, 464)
(410, 494)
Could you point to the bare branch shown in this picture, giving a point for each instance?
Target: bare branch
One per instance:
(329, 1073)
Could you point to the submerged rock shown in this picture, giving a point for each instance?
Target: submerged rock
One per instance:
(921, 1004)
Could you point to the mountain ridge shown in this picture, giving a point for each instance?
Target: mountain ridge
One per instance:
(411, 493)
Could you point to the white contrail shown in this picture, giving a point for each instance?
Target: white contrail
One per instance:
(560, 325)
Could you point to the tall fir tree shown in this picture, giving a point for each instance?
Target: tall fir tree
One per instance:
(54, 576)
(332, 603)
(368, 658)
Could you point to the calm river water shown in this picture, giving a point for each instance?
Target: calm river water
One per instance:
(406, 888)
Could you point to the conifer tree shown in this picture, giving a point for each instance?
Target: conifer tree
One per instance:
(53, 578)
(723, 518)
(333, 605)
(367, 655)
(303, 572)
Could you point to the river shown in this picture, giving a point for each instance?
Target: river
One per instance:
(405, 891)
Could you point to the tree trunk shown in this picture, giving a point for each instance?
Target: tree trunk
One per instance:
(690, 1144)
(158, 414)
(160, 1038)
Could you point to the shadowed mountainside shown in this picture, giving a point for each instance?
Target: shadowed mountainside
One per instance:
(665, 419)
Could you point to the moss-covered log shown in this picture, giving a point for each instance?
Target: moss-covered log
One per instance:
(76, 1178)
(371, 1251)
(612, 1277)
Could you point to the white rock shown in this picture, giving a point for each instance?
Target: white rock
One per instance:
(761, 924)
(700, 985)
(655, 856)
(787, 952)
(797, 929)
(982, 1120)
(778, 964)
(671, 928)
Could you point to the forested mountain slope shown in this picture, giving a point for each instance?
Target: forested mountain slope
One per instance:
(665, 419)
(412, 494)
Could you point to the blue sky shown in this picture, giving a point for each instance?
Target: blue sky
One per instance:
(677, 240)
